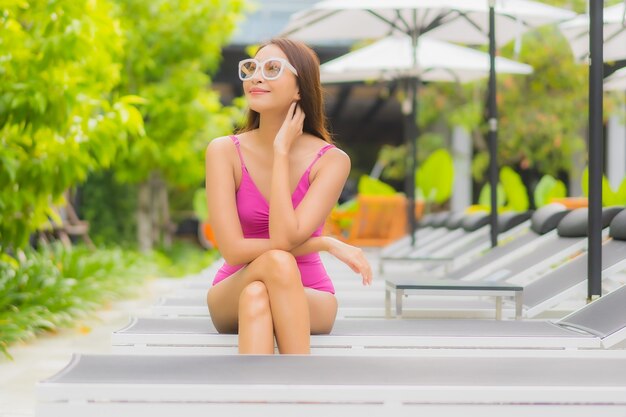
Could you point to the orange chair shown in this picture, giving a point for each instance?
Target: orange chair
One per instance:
(378, 221)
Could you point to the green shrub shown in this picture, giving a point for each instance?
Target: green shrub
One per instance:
(53, 287)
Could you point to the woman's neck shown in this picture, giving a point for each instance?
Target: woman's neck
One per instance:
(269, 125)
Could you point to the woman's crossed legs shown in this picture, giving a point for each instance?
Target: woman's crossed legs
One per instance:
(266, 298)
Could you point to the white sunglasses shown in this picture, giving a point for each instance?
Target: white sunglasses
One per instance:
(271, 68)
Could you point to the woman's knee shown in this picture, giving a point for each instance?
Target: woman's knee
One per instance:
(254, 301)
(280, 267)
(323, 311)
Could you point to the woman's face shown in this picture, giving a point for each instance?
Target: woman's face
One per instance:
(271, 95)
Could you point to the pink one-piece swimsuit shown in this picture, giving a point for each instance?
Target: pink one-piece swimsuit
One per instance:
(253, 210)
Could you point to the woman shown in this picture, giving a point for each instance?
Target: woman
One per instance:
(269, 190)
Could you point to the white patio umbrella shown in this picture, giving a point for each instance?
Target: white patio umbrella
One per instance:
(614, 34)
(391, 58)
(465, 21)
(616, 81)
(462, 21)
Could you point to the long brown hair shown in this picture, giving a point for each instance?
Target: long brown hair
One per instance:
(307, 63)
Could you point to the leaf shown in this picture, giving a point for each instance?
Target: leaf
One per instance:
(133, 99)
(372, 186)
(435, 178)
(547, 189)
(514, 189)
(558, 191)
(351, 205)
(609, 197)
(543, 189)
(484, 199)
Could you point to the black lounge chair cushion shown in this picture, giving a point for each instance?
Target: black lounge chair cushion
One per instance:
(455, 220)
(427, 220)
(440, 219)
(475, 221)
(510, 219)
(618, 226)
(546, 218)
(575, 224)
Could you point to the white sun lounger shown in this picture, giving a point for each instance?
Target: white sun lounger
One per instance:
(466, 247)
(601, 324)
(367, 307)
(431, 227)
(542, 227)
(93, 385)
(572, 232)
(355, 307)
(463, 229)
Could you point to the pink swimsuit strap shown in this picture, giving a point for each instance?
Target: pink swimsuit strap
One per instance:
(321, 152)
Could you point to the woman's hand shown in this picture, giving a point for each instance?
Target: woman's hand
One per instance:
(290, 129)
(351, 256)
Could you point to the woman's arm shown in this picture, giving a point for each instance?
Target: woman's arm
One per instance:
(224, 220)
(220, 191)
(313, 245)
(291, 227)
(348, 254)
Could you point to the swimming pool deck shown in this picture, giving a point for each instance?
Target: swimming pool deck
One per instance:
(49, 353)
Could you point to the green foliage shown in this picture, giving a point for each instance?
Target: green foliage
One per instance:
(366, 186)
(541, 125)
(610, 197)
(484, 199)
(110, 208)
(78, 80)
(372, 186)
(451, 104)
(480, 163)
(58, 120)
(347, 207)
(200, 206)
(548, 188)
(393, 160)
(514, 189)
(467, 115)
(172, 46)
(511, 193)
(182, 259)
(54, 287)
(435, 177)
(620, 195)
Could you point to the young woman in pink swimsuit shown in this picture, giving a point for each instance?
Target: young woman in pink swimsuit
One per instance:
(269, 190)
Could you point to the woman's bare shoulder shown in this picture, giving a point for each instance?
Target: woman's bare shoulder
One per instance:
(334, 156)
(219, 146)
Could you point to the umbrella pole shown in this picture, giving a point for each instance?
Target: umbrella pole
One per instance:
(408, 130)
(413, 130)
(492, 135)
(594, 267)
